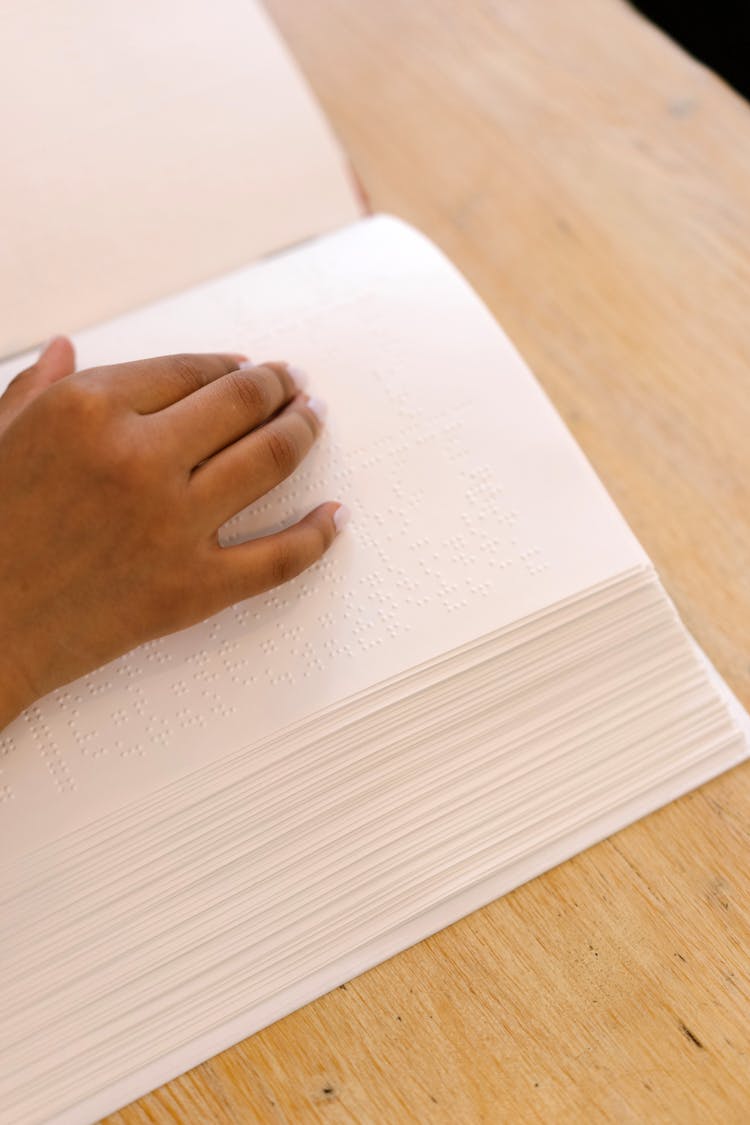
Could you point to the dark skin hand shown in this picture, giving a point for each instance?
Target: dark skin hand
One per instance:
(115, 482)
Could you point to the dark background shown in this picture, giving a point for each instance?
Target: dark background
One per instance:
(716, 32)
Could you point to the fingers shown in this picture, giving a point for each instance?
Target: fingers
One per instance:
(148, 385)
(56, 361)
(251, 467)
(228, 408)
(257, 566)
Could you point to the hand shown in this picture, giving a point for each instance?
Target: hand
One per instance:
(114, 482)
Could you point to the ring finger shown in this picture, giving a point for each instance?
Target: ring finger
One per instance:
(225, 410)
(252, 466)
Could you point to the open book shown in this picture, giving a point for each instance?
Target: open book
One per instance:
(482, 677)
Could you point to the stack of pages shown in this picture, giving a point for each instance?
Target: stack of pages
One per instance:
(482, 677)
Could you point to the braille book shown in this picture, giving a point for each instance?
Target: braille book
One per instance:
(482, 677)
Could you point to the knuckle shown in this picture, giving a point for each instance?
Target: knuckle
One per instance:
(117, 452)
(187, 372)
(78, 403)
(283, 451)
(249, 392)
(284, 564)
(126, 467)
(127, 463)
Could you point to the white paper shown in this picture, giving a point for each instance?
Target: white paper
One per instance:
(431, 412)
(146, 146)
(379, 949)
(483, 677)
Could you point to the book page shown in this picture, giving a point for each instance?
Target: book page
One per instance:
(472, 508)
(146, 147)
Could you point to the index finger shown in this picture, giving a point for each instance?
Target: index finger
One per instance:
(148, 385)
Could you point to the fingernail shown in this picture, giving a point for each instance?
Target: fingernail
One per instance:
(300, 377)
(318, 408)
(341, 517)
(245, 364)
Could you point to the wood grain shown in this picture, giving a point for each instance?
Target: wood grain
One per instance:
(594, 185)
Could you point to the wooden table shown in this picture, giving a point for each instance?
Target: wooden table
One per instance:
(594, 184)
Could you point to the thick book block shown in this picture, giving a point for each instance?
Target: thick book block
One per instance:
(482, 677)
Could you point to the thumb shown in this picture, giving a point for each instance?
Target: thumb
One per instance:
(57, 359)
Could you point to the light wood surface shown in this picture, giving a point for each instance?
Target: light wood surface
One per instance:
(594, 185)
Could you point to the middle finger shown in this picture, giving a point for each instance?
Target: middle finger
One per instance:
(222, 412)
(251, 467)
